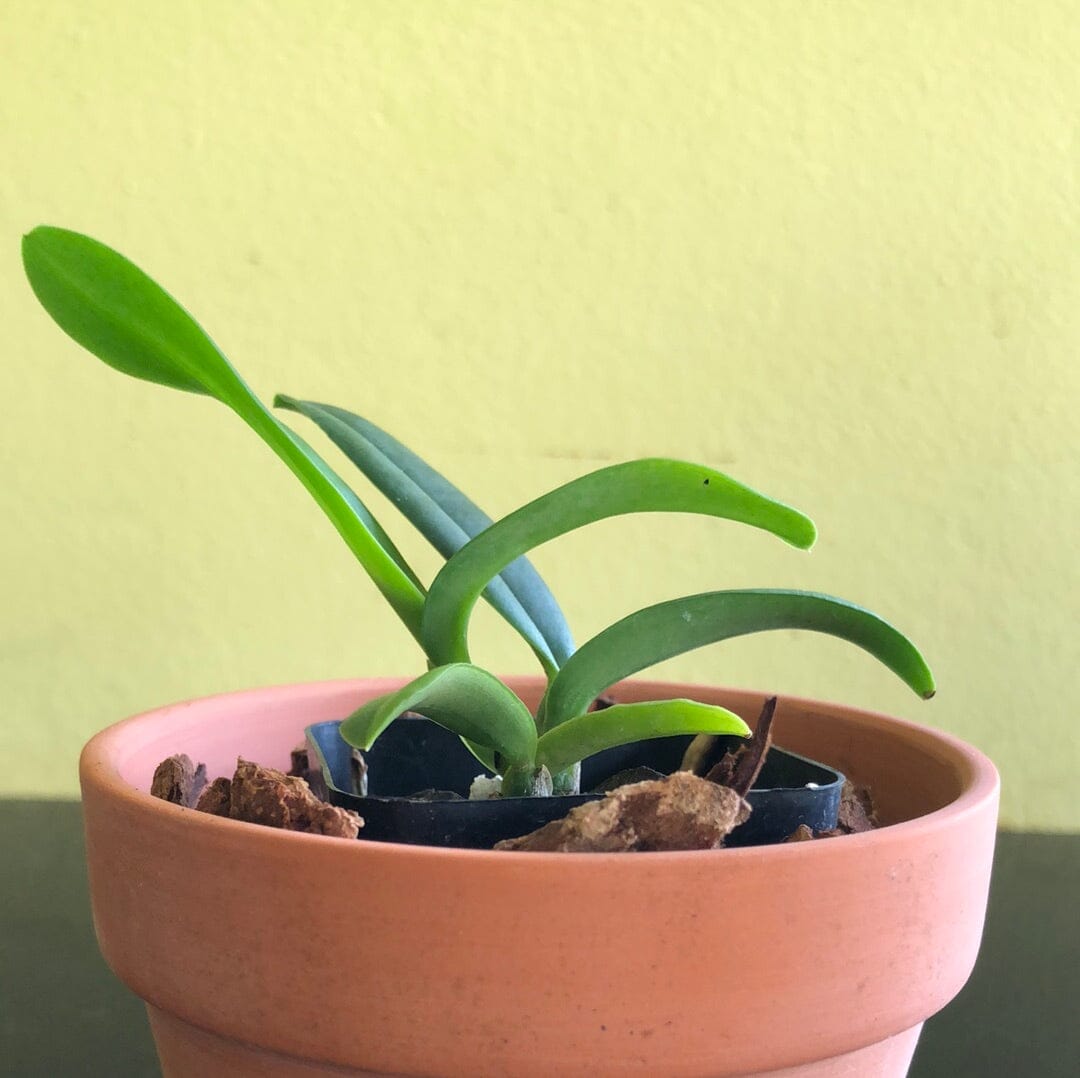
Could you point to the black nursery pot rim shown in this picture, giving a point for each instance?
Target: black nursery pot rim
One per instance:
(793, 789)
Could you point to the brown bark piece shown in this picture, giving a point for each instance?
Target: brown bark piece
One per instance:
(723, 771)
(740, 769)
(802, 833)
(679, 812)
(856, 813)
(702, 754)
(177, 780)
(264, 796)
(216, 798)
(298, 762)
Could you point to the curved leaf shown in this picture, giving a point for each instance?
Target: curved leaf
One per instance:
(447, 519)
(112, 308)
(671, 628)
(464, 699)
(640, 486)
(621, 724)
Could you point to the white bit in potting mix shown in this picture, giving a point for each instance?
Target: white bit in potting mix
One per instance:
(485, 788)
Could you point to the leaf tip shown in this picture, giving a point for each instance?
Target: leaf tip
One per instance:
(30, 242)
(40, 234)
(923, 681)
(804, 534)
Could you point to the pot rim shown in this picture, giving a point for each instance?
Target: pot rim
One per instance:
(976, 774)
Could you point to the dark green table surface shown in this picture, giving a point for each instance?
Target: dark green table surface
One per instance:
(62, 1013)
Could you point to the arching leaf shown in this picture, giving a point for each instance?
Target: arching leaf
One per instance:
(639, 486)
(464, 699)
(581, 737)
(667, 629)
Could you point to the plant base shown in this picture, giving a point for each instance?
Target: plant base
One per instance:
(415, 754)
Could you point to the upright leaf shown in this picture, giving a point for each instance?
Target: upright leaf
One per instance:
(635, 487)
(671, 628)
(359, 509)
(112, 308)
(447, 519)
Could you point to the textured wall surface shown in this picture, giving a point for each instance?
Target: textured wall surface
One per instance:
(833, 248)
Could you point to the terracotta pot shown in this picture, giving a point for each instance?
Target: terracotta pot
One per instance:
(261, 952)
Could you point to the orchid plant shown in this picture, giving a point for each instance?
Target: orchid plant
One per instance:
(113, 309)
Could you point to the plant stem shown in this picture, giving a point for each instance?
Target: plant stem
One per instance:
(527, 781)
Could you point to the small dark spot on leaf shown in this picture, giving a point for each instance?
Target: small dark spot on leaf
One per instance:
(706, 482)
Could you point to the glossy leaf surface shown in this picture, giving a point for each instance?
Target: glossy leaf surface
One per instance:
(462, 698)
(106, 303)
(640, 486)
(671, 628)
(112, 308)
(447, 518)
(620, 724)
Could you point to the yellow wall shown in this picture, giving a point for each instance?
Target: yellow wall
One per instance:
(833, 248)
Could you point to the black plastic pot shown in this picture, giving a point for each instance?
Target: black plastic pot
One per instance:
(414, 754)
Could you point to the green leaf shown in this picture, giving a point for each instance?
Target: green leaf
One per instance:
(635, 487)
(112, 308)
(447, 519)
(620, 724)
(464, 699)
(361, 511)
(671, 628)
